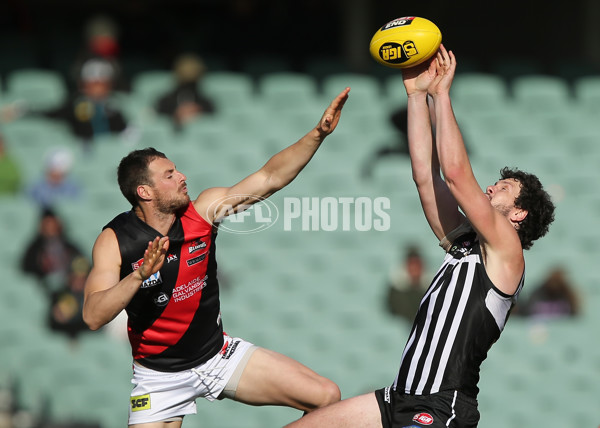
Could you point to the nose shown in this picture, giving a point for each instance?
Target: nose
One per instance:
(489, 190)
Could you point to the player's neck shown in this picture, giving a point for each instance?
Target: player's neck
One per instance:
(161, 222)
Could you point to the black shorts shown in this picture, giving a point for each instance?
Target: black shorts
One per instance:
(441, 410)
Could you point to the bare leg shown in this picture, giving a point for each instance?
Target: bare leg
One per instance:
(356, 412)
(272, 378)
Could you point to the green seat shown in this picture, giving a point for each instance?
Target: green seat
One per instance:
(230, 90)
(540, 93)
(365, 90)
(40, 89)
(479, 92)
(283, 90)
(148, 86)
(587, 93)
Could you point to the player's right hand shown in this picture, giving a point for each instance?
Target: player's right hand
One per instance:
(418, 78)
(154, 257)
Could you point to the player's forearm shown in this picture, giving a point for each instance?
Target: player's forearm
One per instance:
(284, 166)
(420, 140)
(452, 154)
(101, 307)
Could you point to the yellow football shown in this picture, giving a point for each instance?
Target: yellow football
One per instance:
(405, 42)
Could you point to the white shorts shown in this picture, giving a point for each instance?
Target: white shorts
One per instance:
(159, 396)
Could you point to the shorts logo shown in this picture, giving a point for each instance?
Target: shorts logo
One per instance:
(229, 349)
(386, 394)
(140, 402)
(195, 260)
(423, 418)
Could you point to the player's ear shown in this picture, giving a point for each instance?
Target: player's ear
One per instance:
(518, 215)
(144, 192)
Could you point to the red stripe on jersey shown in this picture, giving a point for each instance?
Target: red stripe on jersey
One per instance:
(177, 316)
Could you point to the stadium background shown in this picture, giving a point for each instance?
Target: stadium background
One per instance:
(317, 296)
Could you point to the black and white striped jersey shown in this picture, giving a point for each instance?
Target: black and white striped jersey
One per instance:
(460, 316)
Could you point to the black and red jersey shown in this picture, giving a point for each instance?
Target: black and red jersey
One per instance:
(174, 319)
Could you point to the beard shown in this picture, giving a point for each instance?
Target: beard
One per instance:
(172, 204)
(503, 209)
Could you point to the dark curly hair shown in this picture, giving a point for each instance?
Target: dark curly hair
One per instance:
(536, 201)
(133, 172)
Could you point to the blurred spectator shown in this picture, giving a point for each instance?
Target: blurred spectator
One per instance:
(66, 304)
(50, 254)
(186, 101)
(10, 172)
(407, 284)
(90, 111)
(56, 183)
(555, 297)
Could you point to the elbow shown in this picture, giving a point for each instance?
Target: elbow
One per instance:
(454, 174)
(88, 319)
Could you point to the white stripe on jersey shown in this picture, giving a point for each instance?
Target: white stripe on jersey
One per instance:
(456, 321)
(440, 325)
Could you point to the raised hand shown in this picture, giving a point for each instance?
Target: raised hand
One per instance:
(154, 257)
(445, 68)
(418, 78)
(332, 114)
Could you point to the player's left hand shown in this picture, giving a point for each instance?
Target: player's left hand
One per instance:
(332, 114)
(445, 69)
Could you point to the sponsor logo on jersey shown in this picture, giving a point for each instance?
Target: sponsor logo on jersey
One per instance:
(140, 402)
(196, 260)
(152, 280)
(136, 265)
(171, 258)
(197, 245)
(161, 299)
(423, 418)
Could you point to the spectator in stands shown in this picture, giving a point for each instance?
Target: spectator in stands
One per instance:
(186, 101)
(50, 254)
(10, 172)
(89, 111)
(66, 304)
(407, 284)
(555, 297)
(56, 184)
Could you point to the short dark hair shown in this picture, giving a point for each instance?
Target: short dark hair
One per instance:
(536, 201)
(133, 172)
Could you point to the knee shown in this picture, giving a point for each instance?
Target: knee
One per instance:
(329, 394)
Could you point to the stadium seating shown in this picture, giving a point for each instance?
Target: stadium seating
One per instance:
(39, 89)
(318, 295)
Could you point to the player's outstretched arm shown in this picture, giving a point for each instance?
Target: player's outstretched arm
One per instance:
(278, 172)
(439, 206)
(105, 294)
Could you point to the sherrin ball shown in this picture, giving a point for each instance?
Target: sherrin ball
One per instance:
(405, 42)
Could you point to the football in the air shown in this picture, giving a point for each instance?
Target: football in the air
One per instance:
(405, 42)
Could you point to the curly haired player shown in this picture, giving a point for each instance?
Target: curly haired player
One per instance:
(464, 310)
